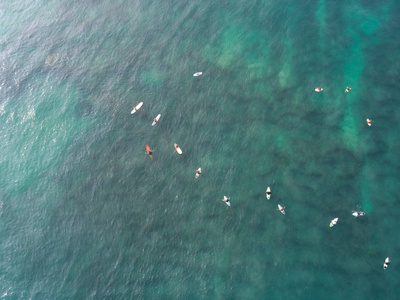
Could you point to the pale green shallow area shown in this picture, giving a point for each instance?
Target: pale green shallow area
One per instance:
(86, 214)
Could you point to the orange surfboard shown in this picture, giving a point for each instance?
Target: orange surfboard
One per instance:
(149, 151)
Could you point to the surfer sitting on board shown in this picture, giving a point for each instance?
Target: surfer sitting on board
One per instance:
(227, 200)
(348, 89)
(369, 122)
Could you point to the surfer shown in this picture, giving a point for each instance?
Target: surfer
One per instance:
(227, 200)
(268, 193)
(178, 149)
(333, 222)
(281, 209)
(386, 263)
(348, 89)
(155, 120)
(149, 151)
(319, 89)
(369, 122)
(198, 172)
(136, 108)
(358, 214)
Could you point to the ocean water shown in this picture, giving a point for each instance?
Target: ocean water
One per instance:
(86, 214)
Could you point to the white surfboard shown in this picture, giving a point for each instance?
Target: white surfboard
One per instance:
(197, 74)
(198, 172)
(280, 208)
(156, 120)
(369, 122)
(333, 222)
(268, 193)
(386, 263)
(136, 108)
(227, 201)
(355, 214)
(178, 149)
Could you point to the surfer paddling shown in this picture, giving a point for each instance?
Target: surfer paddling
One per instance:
(386, 263)
(155, 120)
(268, 193)
(358, 214)
(149, 151)
(348, 89)
(198, 172)
(281, 209)
(227, 200)
(333, 222)
(136, 108)
(369, 122)
(318, 89)
(178, 149)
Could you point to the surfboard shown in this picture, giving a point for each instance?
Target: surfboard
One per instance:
(333, 222)
(227, 201)
(355, 214)
(386, 263)
(268, 193)
(148, 150)
(197, 74)
(178, 149)
(156, 120)
(198, 172)
(280, 208)
(136, 108)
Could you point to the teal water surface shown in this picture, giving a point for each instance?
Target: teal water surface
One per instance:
(86, 214)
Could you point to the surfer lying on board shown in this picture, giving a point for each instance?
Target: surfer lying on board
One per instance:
(386, 263)
(198, 172)
(268, 193)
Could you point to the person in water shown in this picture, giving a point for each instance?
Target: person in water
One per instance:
(318, 89)
(348, 89)
(268, 192)
(369, 122)
(358, 213)
(198, 172)
(155, 120)
(282, 208)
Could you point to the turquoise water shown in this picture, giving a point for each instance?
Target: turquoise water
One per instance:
(86, 214)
